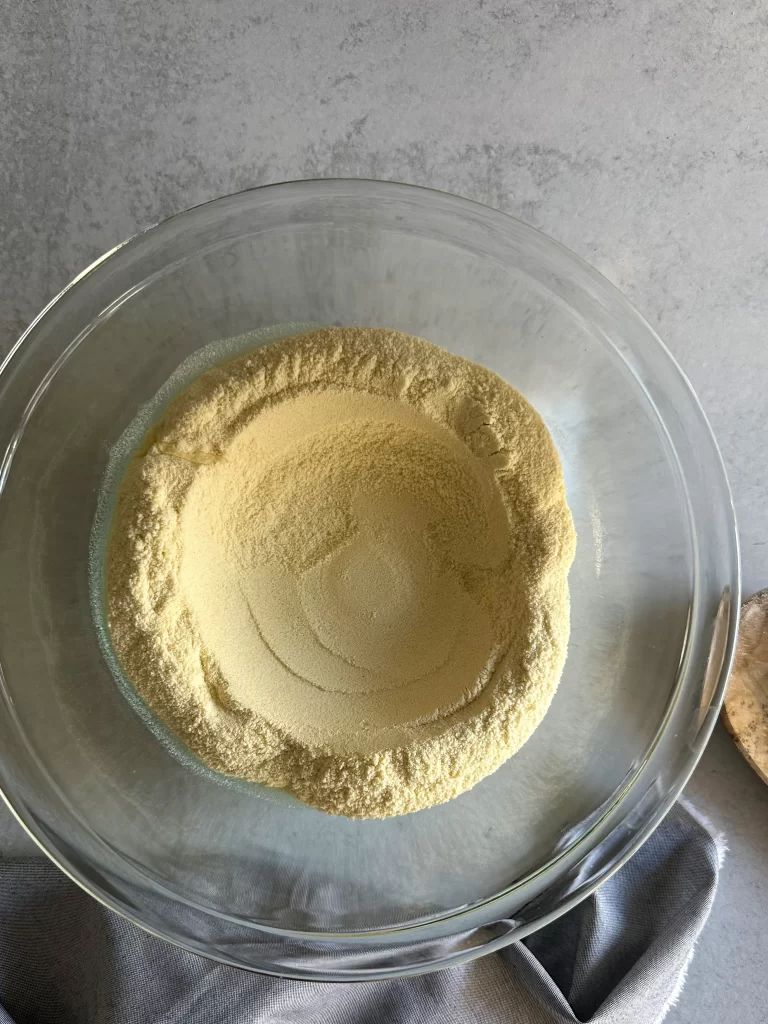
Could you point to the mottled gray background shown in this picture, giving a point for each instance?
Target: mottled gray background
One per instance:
(634, 132)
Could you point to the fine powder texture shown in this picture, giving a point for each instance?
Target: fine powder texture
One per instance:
(338, 566)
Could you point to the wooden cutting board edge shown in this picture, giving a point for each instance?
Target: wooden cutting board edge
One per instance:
(745, 708)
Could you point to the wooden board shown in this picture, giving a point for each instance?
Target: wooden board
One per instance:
(745, 711)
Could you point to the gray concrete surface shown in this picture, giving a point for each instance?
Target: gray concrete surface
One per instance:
(635, 133)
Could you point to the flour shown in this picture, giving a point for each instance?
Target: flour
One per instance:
(338, 566)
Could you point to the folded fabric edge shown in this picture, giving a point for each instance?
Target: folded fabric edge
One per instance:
(721, 846)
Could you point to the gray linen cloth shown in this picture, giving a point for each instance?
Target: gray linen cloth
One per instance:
(618, 958)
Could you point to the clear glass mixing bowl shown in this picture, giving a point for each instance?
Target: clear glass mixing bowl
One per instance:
(264, 882)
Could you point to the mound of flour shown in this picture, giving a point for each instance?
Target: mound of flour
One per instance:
(338, 566)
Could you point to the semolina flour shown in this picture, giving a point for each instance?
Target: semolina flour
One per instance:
(338, 566)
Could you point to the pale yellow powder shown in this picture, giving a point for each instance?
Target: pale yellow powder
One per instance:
(338, 566)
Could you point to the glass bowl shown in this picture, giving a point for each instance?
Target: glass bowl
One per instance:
(253, 878)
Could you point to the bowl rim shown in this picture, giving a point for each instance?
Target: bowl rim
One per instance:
(731, 601)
